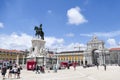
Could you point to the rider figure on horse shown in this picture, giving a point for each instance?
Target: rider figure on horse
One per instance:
(39, 32)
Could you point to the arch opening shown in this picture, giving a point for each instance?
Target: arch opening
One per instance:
(95, 57)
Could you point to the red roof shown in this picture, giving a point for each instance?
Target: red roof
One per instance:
(10, 51)
(114, 49)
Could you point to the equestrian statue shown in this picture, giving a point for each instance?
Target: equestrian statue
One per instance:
(39, 32)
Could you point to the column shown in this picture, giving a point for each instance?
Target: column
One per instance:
(104, 57)
(74, 58)
(23, 60)
(17, 60)
(118, 58)
(80, 61)
(109, 59)
(44, 60)
(101, 59)
(84, 56)
(57, 60)
(90, 60)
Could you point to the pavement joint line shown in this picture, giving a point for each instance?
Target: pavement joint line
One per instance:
(87, 76)
(61, 76)
(91, 78)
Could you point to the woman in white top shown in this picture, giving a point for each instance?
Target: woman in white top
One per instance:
(15, 71)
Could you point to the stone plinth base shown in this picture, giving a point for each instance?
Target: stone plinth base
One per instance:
(37, 51)
(39, 60)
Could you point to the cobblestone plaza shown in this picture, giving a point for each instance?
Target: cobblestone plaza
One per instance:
(91, 73)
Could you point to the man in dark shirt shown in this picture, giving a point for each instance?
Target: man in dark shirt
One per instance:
(3, 70)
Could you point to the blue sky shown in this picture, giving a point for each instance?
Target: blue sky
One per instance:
(66, 23)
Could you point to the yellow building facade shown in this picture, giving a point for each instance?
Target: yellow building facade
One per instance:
(14, 56)
(71, 56)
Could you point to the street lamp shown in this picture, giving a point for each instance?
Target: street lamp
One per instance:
(44, 50)
(56, 55)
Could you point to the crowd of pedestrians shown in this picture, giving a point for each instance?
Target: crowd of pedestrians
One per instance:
(13, 71)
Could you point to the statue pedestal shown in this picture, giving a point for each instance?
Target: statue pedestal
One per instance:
(37, 52)
(40, 60)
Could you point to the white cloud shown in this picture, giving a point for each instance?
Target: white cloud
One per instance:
(87, 35)
(79, 46)
(103, 34)
(49, 11)
(23, 41)
(1, 25)
(58, 43)
(75, 17)
(112, 42)
(52, 42)
(15, 41)
(70, 35)
(72, 47)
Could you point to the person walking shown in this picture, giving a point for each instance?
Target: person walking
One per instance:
(10, 72)
(55, 68)
(15, 71)
(74, 66)
(18, 72)
(68, 66)
(43, 69)
(97, 65)
(10, 65)
(104, 67)
(3, 71)
(37, 69)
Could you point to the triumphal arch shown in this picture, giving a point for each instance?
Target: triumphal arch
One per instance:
(95, 53)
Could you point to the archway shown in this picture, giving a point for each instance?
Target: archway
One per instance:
(95, 57)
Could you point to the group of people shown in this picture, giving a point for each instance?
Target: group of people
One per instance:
(11, 70)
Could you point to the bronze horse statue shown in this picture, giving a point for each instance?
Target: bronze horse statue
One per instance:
(39, 32)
